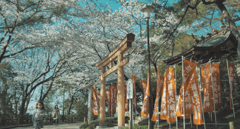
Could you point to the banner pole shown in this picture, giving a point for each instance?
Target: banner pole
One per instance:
(191, 120)
(158, 104)
(183, 93)
(175, 92)
(169, 109)
(213, 93)
(201, 97)
(168, 113)
(231, 90)
(131, 113)
(191, 114)
(158, 113)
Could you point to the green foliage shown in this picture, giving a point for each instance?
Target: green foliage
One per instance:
(6, 71)
(48, 102)
(59, 10)
(80, 106)
(199, 13)
(182, 42)
(109, 121)
(138, 127)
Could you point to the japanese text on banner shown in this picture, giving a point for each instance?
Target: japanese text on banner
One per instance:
(207, 89)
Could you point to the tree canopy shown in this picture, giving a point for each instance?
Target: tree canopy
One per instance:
(49, 45)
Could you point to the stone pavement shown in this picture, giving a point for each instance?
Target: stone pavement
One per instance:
(60, 126)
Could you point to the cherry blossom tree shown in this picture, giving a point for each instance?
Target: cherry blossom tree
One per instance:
(48, 40)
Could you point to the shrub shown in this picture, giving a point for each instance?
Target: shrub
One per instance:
(109, 121)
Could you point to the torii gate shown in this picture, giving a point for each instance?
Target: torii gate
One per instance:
(117, 53)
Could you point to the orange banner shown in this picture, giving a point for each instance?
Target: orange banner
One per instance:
(93, 108)
(196, 100)
(143, 85)
(216, 84)
(231, 80)
(188, 69)
(108, 99)
(163, 115)
(206, 80)
(114, 99)
(95, 102)
(134, 93)
(144, 111)
(171, 95)
(187, 103)
(159, 82)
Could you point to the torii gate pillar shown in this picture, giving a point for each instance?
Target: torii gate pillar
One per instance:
(117, 53)
(102, 99)
(121, 94)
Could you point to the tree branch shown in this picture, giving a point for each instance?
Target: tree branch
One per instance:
(212, 2)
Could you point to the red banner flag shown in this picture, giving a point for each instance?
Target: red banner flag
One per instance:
(108, 99)
(134, 93)
(206, 80)
(231, 80)
(187, 103)
(196, 100)
(95, 102)
(216, 84)
(159, 82)
(171, 92)
(144, 111)
(114, 99)
(188, 69)
(143, 85)
(163, 115)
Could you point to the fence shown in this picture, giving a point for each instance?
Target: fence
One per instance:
(27, 119)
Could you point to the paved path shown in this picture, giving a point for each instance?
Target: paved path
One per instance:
(60, 126)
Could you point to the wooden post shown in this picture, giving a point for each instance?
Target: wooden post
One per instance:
(183, 93)
(102, 98)
(120, 87)
(231, 125)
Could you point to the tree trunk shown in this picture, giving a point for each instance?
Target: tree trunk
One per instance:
(172, 50)
(63, 104)
(155, 67)
(70, 105)
(4, 103)
(50, 87)
(27, 103)
(231, 24)
(40, 99)
(22, 109)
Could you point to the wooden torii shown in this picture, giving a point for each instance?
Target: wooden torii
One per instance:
(117, 53)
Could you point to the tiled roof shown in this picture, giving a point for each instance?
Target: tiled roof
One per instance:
(214, 46)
